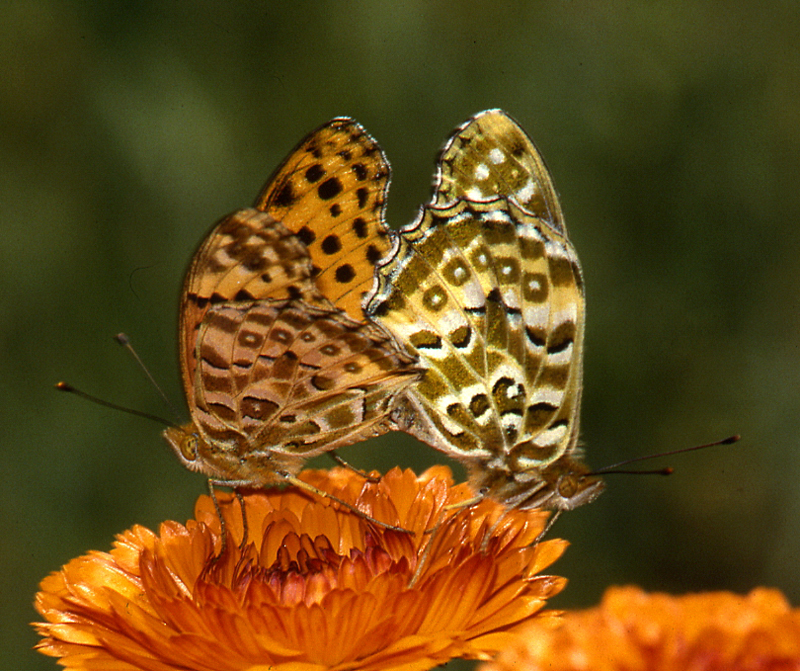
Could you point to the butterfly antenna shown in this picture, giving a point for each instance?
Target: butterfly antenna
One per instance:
(615, 468)
(123, 340)
(64, 386)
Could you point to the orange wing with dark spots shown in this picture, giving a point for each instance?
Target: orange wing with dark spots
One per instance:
(331, 192)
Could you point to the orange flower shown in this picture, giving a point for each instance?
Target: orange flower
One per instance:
(714, 631)
(316, 587)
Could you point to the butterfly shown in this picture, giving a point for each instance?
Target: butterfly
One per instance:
(278, 361)
(485, 288)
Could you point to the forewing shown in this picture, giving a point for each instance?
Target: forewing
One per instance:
(490, 156)
(331, 192)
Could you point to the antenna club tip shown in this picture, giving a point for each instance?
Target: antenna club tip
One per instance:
(668, 471)
(63, 386)
(122, 339)
(731, 440)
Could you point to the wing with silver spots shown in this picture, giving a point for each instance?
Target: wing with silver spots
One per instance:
(491, 300)
(491, 155)
(486, 289)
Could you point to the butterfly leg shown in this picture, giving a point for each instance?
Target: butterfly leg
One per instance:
(473, 501)
(467, 503)
(223, 528)
(423, 560)
(293, 480)
(344, 464)
(245, 528)
(488, 536)
(547, 527)
(542, 533)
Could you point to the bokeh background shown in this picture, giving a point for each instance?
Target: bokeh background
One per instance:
(673, 134)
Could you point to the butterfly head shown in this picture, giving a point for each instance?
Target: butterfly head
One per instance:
(563, 485)
(185, 441)
(229, 459)
(570, 485)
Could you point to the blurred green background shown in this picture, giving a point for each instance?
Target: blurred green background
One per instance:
(673, 134)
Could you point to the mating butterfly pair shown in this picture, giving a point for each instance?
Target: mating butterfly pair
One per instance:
(307, 325)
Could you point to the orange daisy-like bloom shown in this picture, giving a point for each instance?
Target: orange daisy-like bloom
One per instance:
(632, 630)
(316, 587)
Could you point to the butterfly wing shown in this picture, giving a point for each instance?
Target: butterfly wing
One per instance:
(331, 192)
(491, 155)
(255, 277)
(282, 381)
(491, 300)
(247, 256)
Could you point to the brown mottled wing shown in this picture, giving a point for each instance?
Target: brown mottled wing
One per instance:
(490, 156)
(289, 377)
(491, 299)
(331, 192)
(247, 256)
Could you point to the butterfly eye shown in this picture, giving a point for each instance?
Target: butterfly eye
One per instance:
(188, 447)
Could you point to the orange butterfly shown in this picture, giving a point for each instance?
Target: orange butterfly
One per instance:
(279, 363)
